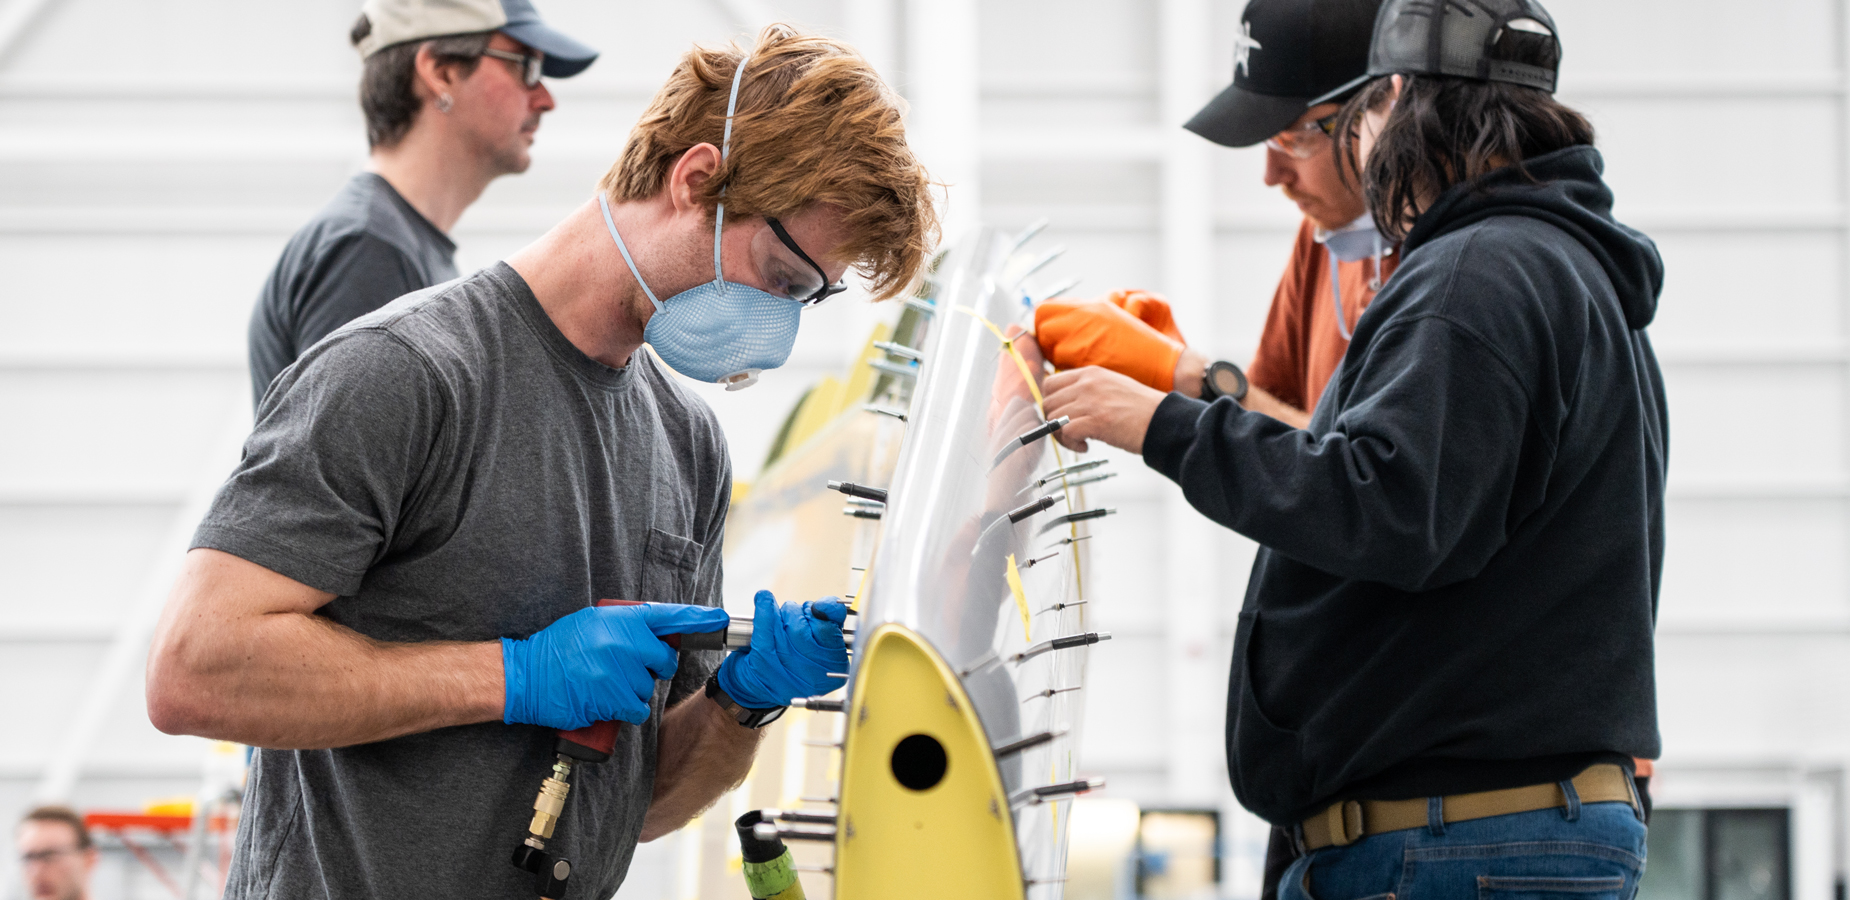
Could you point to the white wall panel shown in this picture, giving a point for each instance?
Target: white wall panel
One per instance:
(95, 297)
(1046, 111)
(1776, 288)
(1247, 267)
(1602, 37)
(1124, 712)
(1240, 190)
(1756, 563)
(173, 36)
(73, 568)
(1795, 429)
(1754, 697)
(54, 178)
(96, 433)
(1036, 182)
(1647, 143)
(1076, 40)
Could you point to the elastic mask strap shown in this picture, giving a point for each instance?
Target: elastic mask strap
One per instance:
(1336, 291)
(1374, 281)
(725, 148)
(605, 206)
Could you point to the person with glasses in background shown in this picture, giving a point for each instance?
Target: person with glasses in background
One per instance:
(441, 125)
(1287, 53)
(393, 596)
(56, 855)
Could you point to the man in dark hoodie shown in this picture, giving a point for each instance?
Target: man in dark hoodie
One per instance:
(1444, 663)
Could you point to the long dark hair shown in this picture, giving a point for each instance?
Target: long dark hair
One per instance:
(1446, 131)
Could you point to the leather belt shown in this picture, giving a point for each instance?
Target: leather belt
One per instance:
(1342, 824)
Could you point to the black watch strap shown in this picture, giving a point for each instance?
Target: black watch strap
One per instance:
(1223, 379)
(750, 718)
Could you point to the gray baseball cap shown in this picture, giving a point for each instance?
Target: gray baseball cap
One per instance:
(1454, 37)
(397, 21)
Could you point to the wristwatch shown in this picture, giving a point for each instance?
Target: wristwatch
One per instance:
(750, 718)
(1223, 379)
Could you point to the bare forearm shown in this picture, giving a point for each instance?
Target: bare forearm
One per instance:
(1259, 401)
(703, 753)
(1192, 368)
(294, 680)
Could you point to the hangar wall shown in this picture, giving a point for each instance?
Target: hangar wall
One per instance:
(155, 154)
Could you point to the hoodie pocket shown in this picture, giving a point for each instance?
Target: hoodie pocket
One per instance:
(668, 566)
(1267, 761)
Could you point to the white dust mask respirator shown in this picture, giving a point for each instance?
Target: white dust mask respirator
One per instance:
(721, 332)
(1357, 240)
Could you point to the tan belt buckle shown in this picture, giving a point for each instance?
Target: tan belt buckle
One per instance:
(1345, 822)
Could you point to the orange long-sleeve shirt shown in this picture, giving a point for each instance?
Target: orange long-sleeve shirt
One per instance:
(1301, 345)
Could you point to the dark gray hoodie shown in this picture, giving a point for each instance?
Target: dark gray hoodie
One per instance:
(1461, 555)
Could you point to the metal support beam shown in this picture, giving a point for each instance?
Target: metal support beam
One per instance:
(943, 86)
(1186, 226)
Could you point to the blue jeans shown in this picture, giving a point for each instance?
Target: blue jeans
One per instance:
(1591, 852)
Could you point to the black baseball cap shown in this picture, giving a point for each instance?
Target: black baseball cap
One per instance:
(1424, 37)
(1287, 52)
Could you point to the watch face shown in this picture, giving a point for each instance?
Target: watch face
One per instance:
(1225, 379)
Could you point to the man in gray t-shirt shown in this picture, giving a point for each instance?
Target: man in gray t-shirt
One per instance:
(389, 471)
(452, 95)
(394, 595)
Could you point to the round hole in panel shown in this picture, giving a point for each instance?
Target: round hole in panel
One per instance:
(919, 762)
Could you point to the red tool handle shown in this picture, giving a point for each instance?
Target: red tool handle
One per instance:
(596, 741)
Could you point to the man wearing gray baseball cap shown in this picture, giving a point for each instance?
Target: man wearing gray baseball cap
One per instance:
(441, 126)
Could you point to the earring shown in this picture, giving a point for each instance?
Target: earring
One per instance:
(445, 103)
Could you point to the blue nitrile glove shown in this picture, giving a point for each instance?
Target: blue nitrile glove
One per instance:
(597, 664)
(794, 648)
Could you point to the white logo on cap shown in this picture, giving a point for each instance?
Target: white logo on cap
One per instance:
(1243, 47)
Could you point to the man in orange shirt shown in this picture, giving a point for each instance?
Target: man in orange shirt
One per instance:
(1287, 53)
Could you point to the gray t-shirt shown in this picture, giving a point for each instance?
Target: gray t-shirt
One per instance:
(366, 248)
(454, 469)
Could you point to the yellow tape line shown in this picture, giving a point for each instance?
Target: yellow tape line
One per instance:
(1021, 595)
(1021, 363)
(1059, 460)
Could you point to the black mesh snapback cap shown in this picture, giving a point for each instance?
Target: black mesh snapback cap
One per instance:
(1458, 38)
(1287, 52)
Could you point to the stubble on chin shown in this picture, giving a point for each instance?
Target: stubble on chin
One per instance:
(518, 157)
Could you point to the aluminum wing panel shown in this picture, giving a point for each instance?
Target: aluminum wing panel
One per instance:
(972, 508)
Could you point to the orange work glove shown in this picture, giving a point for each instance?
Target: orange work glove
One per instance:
(1151, 308)
(1074, 333)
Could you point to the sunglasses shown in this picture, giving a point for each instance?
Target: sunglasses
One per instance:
(530, 64)
(800, 286)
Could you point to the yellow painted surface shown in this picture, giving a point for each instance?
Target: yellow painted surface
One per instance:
(861, 377)
(831, 398)
(953, 839)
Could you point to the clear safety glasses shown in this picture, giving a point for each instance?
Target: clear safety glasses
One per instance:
(806, 284)
(1306, 140)
(529, 64)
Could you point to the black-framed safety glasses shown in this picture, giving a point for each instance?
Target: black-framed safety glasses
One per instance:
(809, 293)
(530, 64)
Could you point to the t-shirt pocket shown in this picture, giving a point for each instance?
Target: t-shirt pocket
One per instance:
(668, 566)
